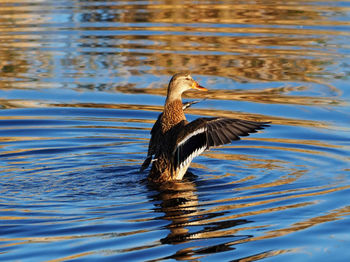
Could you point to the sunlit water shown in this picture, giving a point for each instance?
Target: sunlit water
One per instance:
(81, 84)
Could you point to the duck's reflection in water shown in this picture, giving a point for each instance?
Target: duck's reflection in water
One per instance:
(179, 203)
(178, 200)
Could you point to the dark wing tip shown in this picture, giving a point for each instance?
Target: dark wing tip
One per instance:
(260, 125)
(265, 124)
(224, 130)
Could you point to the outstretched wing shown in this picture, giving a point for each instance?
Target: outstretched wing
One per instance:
(203, 133)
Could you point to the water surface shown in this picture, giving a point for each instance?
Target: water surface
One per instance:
(81, 84)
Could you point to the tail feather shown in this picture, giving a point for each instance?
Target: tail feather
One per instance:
(146, 163)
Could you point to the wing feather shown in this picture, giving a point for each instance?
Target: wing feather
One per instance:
(204, 133)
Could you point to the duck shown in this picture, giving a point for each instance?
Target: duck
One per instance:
(175, 142)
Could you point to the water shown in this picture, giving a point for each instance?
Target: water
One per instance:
(81, 84)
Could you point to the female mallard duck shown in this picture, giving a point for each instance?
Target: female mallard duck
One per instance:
(175, 141)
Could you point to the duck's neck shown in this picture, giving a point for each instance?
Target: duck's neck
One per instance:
(172, 114)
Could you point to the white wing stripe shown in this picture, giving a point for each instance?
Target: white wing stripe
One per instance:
(196, 132)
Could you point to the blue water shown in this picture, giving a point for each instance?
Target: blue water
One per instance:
(81, 84)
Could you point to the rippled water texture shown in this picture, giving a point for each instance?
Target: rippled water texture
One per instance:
(81, 84)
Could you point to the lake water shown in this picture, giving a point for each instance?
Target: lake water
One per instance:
(81, 84)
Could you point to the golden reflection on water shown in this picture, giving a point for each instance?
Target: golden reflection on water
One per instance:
(278, 95)
(260, 52)
(202, 111)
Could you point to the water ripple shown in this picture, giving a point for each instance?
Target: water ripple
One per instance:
(81, 84)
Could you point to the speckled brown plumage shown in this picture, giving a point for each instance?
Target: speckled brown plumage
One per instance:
(172, 115)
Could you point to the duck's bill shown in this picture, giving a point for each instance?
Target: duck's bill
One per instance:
(195, 85)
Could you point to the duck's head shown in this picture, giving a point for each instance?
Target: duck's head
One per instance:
(180, 83)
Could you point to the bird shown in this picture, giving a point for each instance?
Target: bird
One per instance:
(175, 142)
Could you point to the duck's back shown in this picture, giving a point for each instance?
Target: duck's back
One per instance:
(163, 144)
